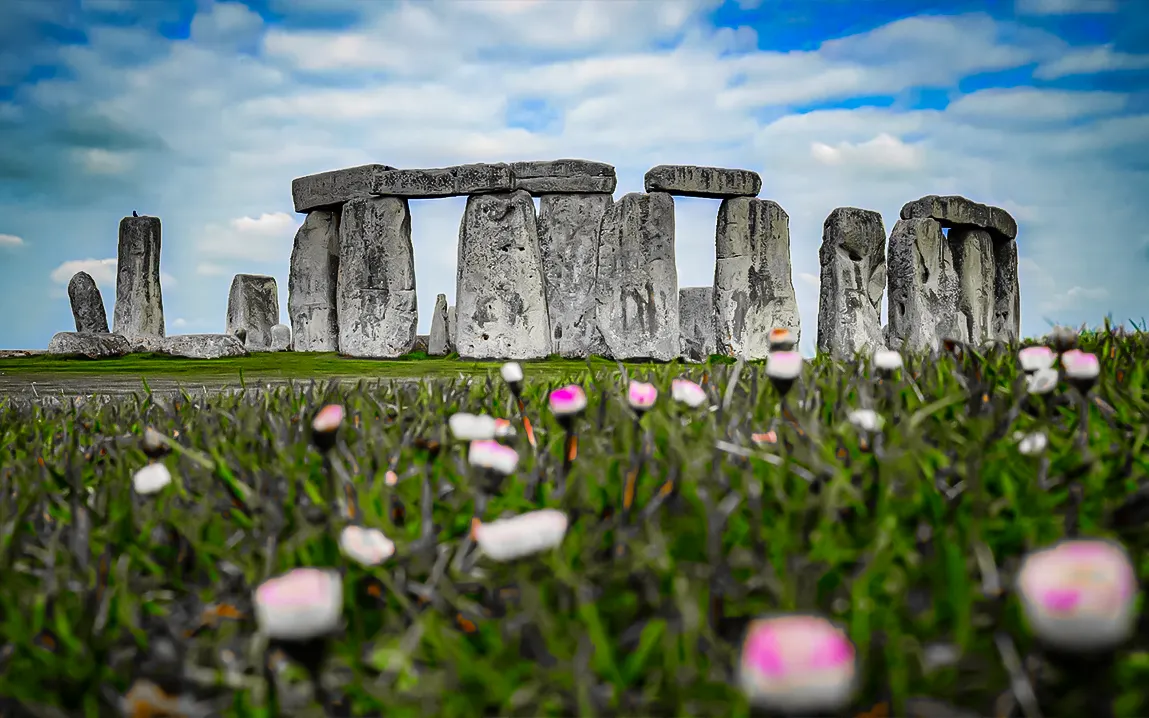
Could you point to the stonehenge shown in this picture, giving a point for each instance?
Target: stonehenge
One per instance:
(584, 274)
(591, 275)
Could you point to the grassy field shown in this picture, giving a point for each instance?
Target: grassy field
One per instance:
(741, 507)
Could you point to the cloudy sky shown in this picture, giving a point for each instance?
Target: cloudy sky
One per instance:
(201, 113)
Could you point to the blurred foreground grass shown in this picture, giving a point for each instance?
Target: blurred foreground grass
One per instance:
(637, 613)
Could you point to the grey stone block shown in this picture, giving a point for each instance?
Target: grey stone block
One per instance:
(696, 323)
(87, 304)
(955, 211)
(311, 283)
(139, 310)
(253, 306)
(92, 346)
(693, 181)
(924, 287)
(327, 190)
(564, 177)
(853, 279)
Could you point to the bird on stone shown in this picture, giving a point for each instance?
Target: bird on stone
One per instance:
(134, 213)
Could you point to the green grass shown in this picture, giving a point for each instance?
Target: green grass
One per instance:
(637, 615)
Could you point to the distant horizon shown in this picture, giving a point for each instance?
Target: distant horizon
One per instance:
(201, 113)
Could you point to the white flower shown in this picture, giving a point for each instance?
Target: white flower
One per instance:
(472, 427)
(1079, 595)
(522, 535)
(301, 604)
(797, 664)
(784, 366)
(1080, 365)
(866, 420)
(366, 546)
(687, 392)
(887, 360)
(1041, 381)
(1032, 444)
(1036, 358)
(493, 456)
(151, 478)
(512, 372)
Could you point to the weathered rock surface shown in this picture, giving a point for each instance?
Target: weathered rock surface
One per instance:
(204, 346)
(444, 181)
(280, 338)
(1006, 293)
(438, 341)
(564, 176)
(636, 304)
(326, 189)
(500, 299)
(87, 304)
(253, 305)
(139, 309)
(451, 333)
(696, 322)
(569, 226)
(955, 211)
(753, 289)
(422, 343)
(90, 345)
(377, 307)
(972, 250)
(924, 287)
(693, 181)
(311, 283)
(853, 278)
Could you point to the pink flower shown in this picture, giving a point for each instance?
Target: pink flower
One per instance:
(301, 604)
(568, 401)
(641, 395)
(784, 366)
(494, 456)
(687, 392)
(1036, 358)
(328, 419)
(1079, 594)
(797, 663)
(1080, 365)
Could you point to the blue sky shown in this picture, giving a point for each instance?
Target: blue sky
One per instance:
(202, 112)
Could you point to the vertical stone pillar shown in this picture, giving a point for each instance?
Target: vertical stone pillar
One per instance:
(924, 287)
(311, 283)
(139, 310)
(853, 279)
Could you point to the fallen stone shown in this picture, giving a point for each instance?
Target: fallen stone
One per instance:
(443, 182)
(500, 299)
(1006, 293)
(955, 211)
(564, 177)
(636, 302)
(90, 345)
(569, 226)
(253, 305)
(280, 338)
(139, 310)
(853, 278)
(438, 342)
(327, 190)
(696, 323)
(924, 287)
(693, 181)
(311, 283)
(422, 344)
(451, 332)
(972, 250)
(754, 292)
(376, 304)
(204, 346)
(87, 304)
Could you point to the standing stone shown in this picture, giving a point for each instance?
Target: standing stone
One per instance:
(253, 306)
(924, 287)
(439, 341)
(754, 292)
(500, 294)
(377, 308)
(87, 304)
(452, 334)
(311, 283)
(280, 338)
(569, 227)
(1006, 292)
(972, 250)
(636, 305)
(139, 310)
(853, 279)
(696, 322)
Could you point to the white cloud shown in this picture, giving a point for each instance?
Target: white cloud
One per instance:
(259, 239)
(1028, 103)
(1065, 7)
(103, 272)
(1090, 61)
(102, 162)
(883, 151)
(11, 240)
